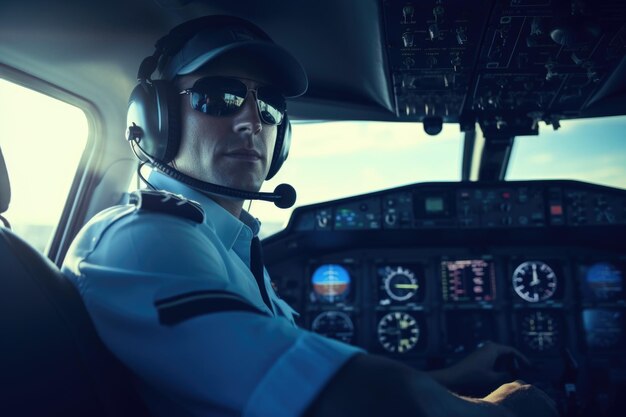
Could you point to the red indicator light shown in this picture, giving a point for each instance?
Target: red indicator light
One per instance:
(556, 210)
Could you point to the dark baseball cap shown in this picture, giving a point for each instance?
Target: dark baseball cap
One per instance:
(233, 41)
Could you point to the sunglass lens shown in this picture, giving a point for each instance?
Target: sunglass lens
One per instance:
(272, 105)
(218, 96)
(270, 114)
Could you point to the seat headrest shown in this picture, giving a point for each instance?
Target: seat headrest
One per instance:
(5, 186)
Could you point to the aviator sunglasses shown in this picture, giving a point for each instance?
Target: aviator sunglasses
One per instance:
(221, 96)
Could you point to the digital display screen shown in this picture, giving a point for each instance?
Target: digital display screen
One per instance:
(466, 330)
(434, 205)
(400, 284)
(604, 328)
(346, 217)
(468, 280)
(602, 281)
(330, 284)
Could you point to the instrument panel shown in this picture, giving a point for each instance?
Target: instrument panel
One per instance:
(419, 304)
(431, 276)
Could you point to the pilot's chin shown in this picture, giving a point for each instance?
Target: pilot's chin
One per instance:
(251, 185)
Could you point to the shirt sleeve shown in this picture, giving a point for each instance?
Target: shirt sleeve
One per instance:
(216, 361)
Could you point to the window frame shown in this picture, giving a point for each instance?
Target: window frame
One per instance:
(81, 187)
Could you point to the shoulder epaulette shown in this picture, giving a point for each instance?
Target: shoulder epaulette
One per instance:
(168, 203)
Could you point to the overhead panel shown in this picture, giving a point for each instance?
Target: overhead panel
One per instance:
(506, 64)
(432, 48)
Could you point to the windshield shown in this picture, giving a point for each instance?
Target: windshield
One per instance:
(331, 160)
(592, 150)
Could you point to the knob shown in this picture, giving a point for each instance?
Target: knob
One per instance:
(391, 219)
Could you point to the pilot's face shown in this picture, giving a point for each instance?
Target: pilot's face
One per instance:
(233, 151)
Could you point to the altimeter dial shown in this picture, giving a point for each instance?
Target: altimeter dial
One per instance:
(398, 332)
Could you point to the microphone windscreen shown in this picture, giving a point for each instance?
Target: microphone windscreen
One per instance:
(287, 196)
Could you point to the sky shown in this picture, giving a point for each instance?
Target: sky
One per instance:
(42, 140)
(593, 152)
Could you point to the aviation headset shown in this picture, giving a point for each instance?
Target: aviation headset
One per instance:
(153, 117)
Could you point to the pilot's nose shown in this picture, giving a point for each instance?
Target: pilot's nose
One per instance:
(248, 120)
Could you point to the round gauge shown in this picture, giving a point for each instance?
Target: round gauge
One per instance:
(335, 325)
(539, 331)
(398, 332)
(331, 283)
(604, 281)
(534, 281)
(400, 283)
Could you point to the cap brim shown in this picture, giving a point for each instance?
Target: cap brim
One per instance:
(274, 63)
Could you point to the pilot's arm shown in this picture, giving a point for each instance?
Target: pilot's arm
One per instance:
(166, 308)
(371, 385)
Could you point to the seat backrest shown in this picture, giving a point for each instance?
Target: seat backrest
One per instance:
(51, 359)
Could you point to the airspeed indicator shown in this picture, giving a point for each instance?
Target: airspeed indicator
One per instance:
(400, 283)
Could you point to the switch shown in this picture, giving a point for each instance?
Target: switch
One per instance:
(550, 67)
(433, 31)
(408, 14)
(455, 61)
(438, 12)
(408, 38)
(461, 35)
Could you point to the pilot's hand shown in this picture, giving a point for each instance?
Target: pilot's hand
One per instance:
(523, 400)
(478, 370)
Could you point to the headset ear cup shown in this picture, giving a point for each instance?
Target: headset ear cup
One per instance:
(154, 110)
(281, 148)
(174, 130)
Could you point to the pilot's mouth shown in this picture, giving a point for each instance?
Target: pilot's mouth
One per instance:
(244, 155)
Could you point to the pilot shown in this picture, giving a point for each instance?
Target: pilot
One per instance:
(174, 280)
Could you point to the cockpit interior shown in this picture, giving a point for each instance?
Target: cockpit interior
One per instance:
(423, 271)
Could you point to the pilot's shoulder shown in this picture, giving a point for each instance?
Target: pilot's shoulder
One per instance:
(164, 202)
(128, 217)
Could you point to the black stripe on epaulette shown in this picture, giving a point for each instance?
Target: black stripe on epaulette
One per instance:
(177, 309)
(168, 203)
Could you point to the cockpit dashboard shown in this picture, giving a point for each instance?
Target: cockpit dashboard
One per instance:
(426, 273)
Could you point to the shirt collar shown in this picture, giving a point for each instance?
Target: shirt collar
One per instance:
(227, 227)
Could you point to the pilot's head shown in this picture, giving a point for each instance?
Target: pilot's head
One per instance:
(222, 86)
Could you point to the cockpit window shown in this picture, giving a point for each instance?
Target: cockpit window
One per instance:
(592, 150)
(42, 140)
(331, 160)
